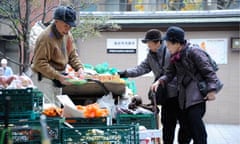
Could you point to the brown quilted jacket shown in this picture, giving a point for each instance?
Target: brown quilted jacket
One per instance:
(53, 52)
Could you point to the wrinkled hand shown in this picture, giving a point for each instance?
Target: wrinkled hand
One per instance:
(80, 73)
(122, 74)
(210, 96)
(156, 84)
(64, 81)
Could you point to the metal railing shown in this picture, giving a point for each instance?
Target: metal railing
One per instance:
(162, 5)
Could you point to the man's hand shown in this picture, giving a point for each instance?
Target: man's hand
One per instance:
(122, 74)
(64, 81)
(80, 73)
(210, 96)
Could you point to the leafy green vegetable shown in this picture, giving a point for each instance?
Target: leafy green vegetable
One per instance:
(77, 81)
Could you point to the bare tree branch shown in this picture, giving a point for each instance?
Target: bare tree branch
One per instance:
(18, 15)
(41, 14)
(44, 10)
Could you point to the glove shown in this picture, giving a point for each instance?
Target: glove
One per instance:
(122, 74)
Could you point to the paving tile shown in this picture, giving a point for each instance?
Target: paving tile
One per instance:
(220, 134)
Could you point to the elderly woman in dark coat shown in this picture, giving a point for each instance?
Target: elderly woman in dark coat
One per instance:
(186, 59)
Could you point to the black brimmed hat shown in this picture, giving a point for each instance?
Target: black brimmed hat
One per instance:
(65, 14)
(152, 35)
(174, 34)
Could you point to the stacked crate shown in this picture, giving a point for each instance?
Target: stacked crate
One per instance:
(114, 134)
(152, 134)
(29, 131)
(147, 120)
(97, 131)
(24, 109)
(24, 103)
(79, 122)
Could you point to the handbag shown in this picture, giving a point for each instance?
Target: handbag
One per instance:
(202, 85)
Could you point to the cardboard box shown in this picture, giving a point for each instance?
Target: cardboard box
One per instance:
(150, 136)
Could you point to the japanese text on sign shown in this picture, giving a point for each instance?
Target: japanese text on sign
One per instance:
(121, 43)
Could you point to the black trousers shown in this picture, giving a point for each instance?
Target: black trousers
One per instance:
(192, 116)
(170, 115)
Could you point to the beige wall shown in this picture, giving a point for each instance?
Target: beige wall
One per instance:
(225, 109)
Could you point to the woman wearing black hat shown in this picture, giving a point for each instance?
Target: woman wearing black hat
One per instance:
(187, 62)
(156, 61)
(55, 49)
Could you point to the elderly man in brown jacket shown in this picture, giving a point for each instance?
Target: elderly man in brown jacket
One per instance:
(53, 51)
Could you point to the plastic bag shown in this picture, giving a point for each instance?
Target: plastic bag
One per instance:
(107, 101)
(21, 82)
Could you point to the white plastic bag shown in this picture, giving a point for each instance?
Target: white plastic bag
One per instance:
(69, 109)
(107, 101)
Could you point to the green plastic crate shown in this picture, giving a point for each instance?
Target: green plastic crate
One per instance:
(24, 104)
(29, 131)
(147, 120)
(77, 122)
(114, 134)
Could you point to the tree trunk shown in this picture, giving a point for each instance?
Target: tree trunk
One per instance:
(26, 30)
(20, 55)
